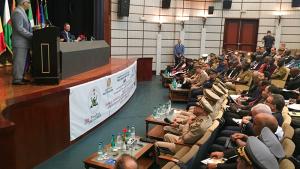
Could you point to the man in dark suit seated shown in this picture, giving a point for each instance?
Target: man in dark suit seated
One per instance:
(66, 36)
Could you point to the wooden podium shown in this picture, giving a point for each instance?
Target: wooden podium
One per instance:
(144, 69)
(45, 55)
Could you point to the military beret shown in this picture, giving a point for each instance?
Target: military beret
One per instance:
(206, 105)
(217, 90)
(258, 154)
(272, 142)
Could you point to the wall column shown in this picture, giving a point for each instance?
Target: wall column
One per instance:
(181, 36)
(203, 41)
(277, 36)
(158, 54)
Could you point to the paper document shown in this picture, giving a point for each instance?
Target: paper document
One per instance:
(213, 161)
(294, 106)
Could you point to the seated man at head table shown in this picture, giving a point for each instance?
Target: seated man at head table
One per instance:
(66, 36)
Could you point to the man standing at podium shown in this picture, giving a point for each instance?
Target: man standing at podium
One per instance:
(21, 40)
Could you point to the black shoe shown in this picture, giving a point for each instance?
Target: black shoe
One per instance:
(19, 83)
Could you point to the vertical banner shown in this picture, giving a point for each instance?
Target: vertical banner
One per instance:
(93, 102)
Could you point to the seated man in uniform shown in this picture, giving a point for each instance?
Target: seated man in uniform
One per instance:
(280, 72)
(197, 79)
(189, 133)
(243, 78)
(209, 97)
(206, 84)
(266, 136)
(256, 155)
(259, 152)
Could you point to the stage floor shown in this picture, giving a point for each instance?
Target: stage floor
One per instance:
(11, 94)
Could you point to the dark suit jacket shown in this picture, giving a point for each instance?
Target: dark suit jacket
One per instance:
(63, 35)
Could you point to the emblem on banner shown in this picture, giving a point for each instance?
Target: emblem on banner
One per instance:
(94, 96)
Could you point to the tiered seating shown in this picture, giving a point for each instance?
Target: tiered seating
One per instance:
(188, 153)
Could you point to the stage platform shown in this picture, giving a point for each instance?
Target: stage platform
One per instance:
(34, 119)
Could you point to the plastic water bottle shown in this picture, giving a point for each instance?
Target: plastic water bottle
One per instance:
(100, 151)
(112, 143)
(133, 132)
(119, 141)
(128, 134)
(169, 106)
(173, 83)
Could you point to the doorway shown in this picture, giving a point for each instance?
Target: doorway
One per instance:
(240, 34)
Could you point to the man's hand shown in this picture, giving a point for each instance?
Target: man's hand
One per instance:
(174, 124)
(217, 154)
(211, 165)
(236, 136)
(240, 143)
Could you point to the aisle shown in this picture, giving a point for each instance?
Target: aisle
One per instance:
(148, 95)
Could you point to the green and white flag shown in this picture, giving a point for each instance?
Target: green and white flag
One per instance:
(30, 17)
(46, 11)
(7, 28)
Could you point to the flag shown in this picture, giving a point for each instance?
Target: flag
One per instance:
(7, 26)
(46, 10)
(30, 17)
(2, 41)
(13, 6)
(37, 13)
(42, 14)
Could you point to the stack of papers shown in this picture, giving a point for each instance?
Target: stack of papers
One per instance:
(294, 107)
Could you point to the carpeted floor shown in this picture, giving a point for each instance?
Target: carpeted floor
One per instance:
(147, 96)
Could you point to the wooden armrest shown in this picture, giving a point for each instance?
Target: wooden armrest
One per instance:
(168, 158)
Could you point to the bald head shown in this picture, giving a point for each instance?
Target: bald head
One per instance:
(126, 162)
(262, 120)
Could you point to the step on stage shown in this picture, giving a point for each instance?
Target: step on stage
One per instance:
(34, 119)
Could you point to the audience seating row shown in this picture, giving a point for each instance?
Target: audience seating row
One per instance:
(187, 154)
